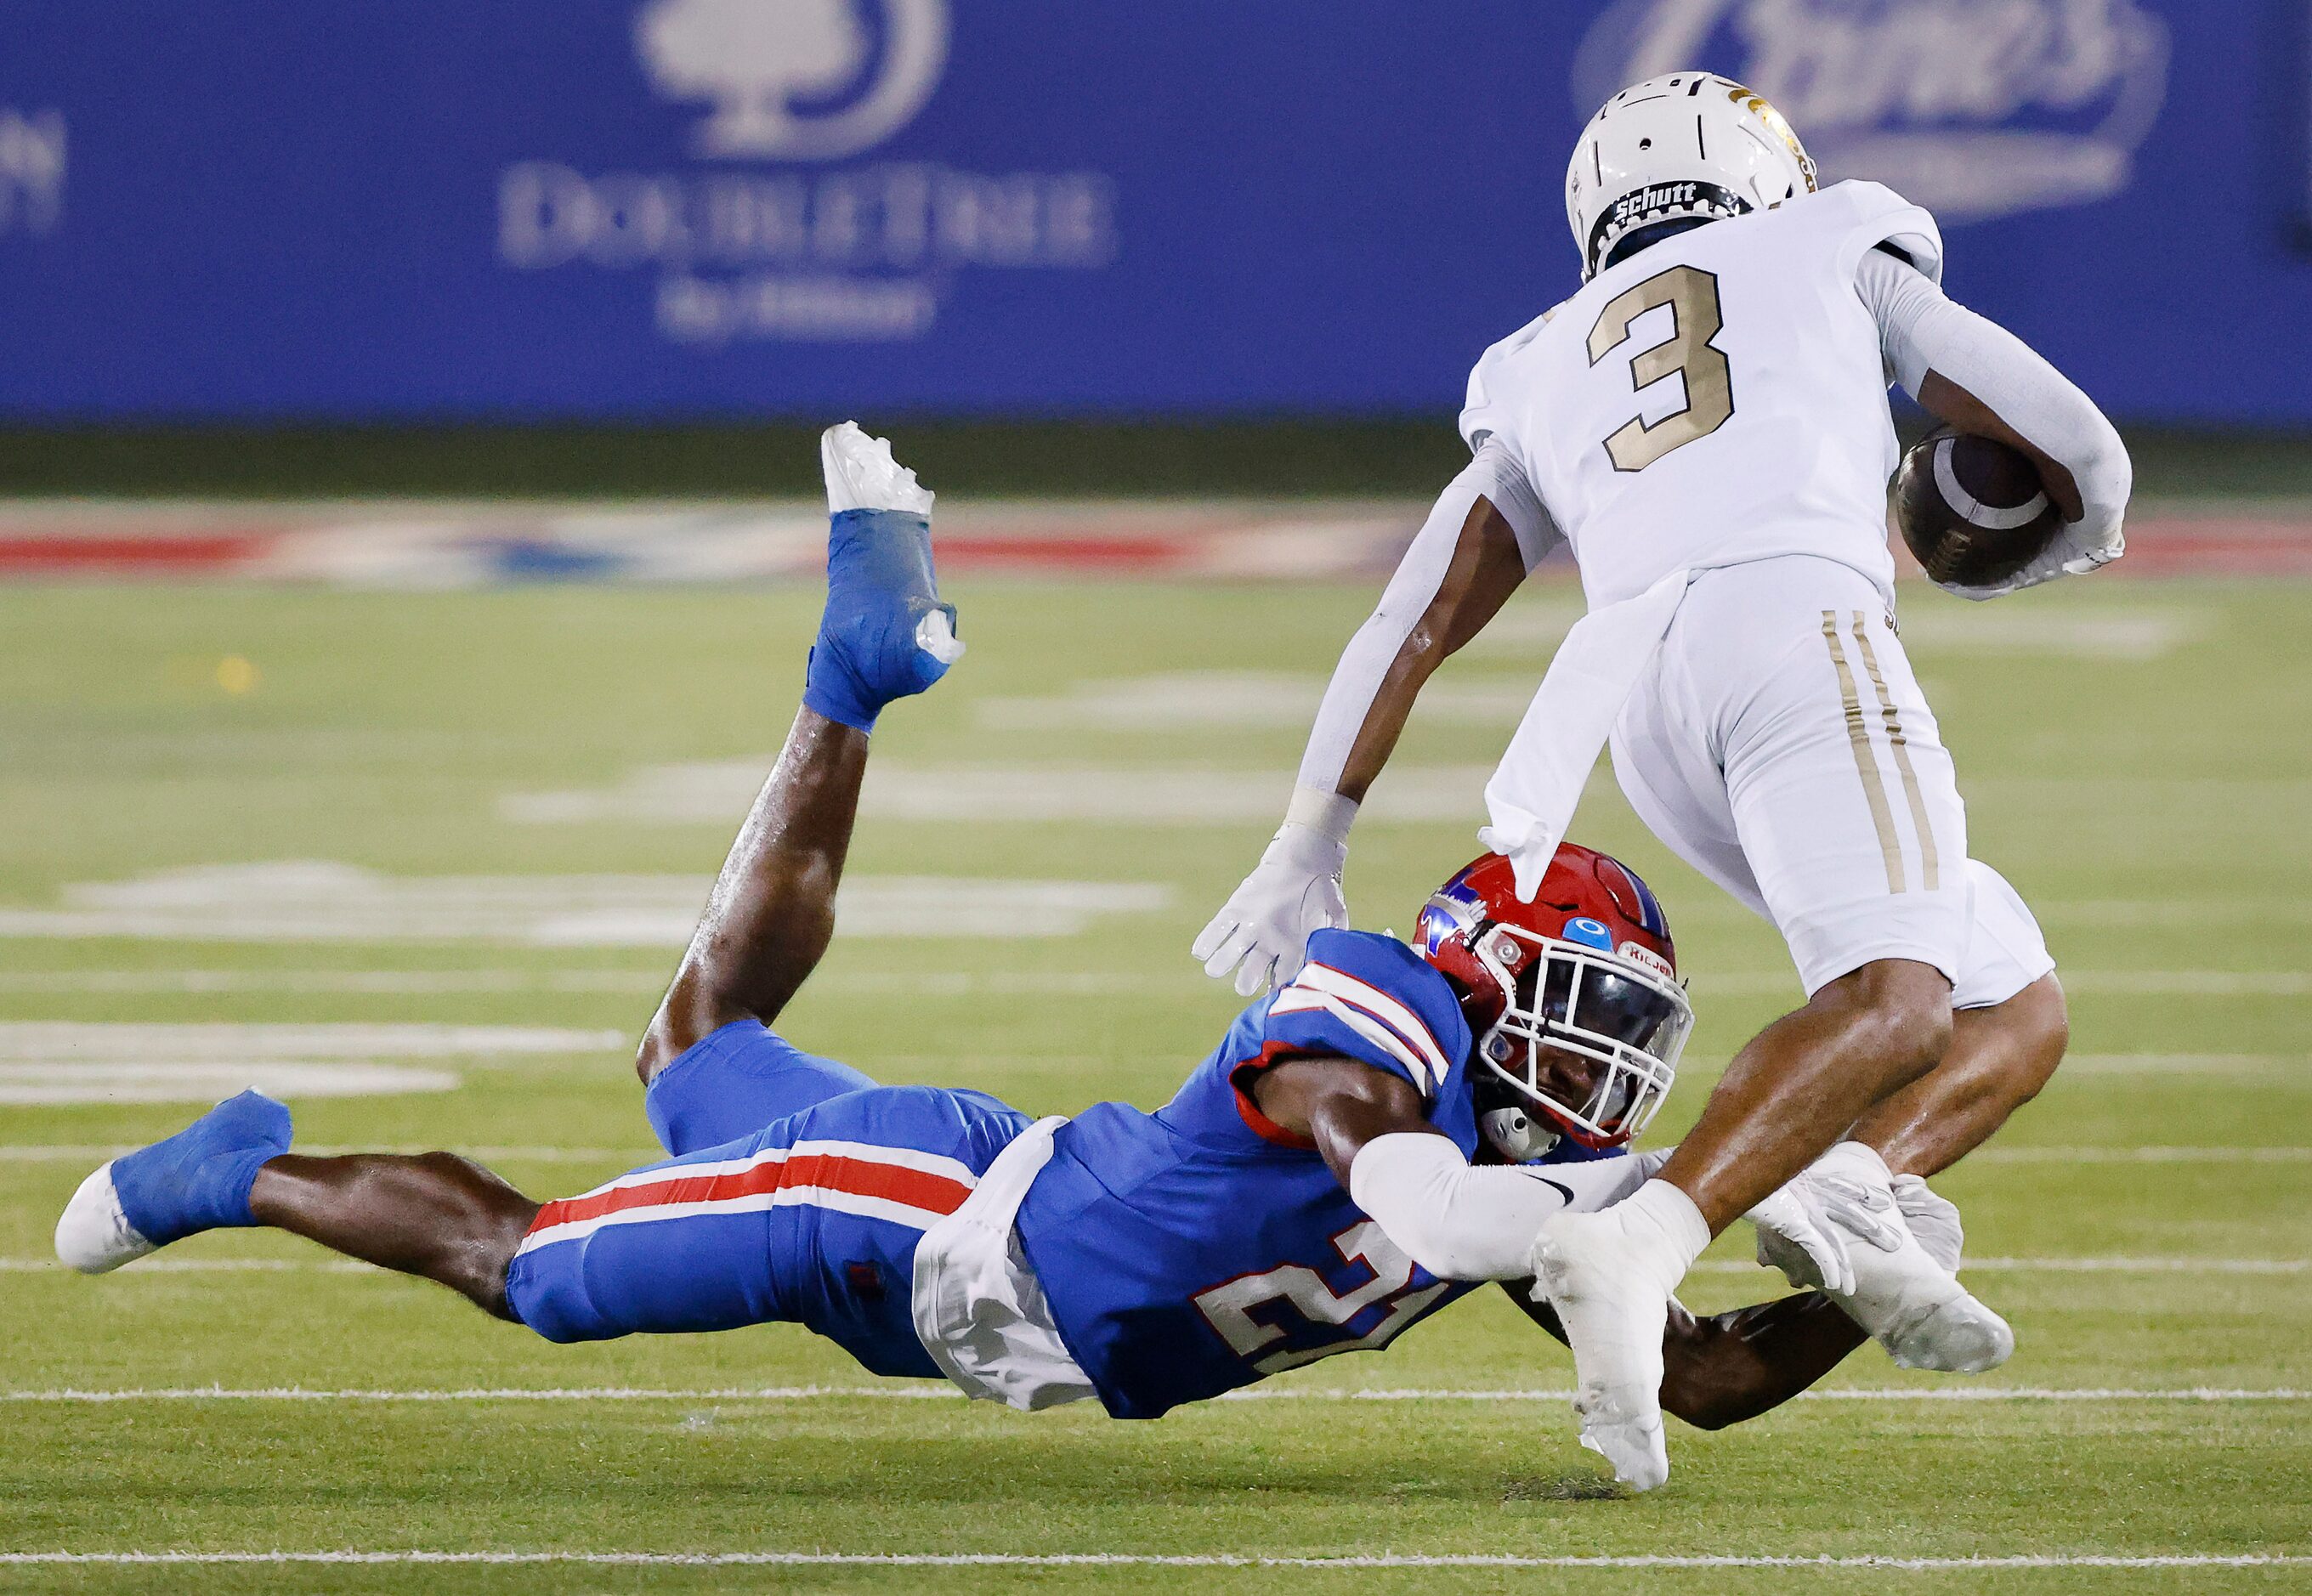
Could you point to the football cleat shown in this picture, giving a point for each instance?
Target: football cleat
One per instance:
(885, 633)
(1903, 1294)
(1609, 1275)
(196, 1180)
(1614, 1320)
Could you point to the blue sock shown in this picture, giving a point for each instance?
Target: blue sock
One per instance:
(199, 1179)
(879, 586)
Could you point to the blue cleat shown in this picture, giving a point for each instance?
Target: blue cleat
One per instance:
(885, 634)
(198, 1180)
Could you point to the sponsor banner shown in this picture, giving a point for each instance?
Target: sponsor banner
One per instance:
(420, 546)
(257, 209)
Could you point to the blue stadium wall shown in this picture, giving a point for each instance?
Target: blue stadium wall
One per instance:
(251, 210)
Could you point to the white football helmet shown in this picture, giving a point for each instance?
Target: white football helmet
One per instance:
(1689, 145)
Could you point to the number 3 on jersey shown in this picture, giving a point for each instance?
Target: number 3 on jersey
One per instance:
(1228, 1306)
(1691, 296)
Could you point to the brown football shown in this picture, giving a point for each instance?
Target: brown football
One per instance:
(1972, 509)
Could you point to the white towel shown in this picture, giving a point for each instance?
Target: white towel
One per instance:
(1532, 795)
(977, 1305)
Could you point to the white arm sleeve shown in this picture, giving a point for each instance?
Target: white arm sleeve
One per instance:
(1920, 330)
(1461, 1222)
(1492, 474)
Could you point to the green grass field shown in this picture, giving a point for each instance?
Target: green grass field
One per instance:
(2134, 757)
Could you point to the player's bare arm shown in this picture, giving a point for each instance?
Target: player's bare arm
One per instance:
(1960, 410)
(1982, 381)
(1483, 533)
(1727, 1368)
(1486, 569)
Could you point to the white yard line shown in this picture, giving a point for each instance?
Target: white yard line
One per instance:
(389, 982)
(2188, 983)
(98, 1152)
(69, 1043)
(208, 1266)
(717, 792)
(48, 1062)
(2282, 1066)
(914, 983)
(2084, 1266)
(1867, 1562)
(2102, 983)
(1708, 1266)
(1074, 982)
(93, 1153)
(320, 901)
(1998, 1155)
(909, 1391)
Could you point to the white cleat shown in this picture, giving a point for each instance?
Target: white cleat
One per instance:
(861, 474)
(92, 1234)
(1903, 1294)
(1613, 1315)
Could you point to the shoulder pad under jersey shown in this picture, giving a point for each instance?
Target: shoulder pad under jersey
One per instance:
(1372, 999)
(1479, 416)
(1864, 215)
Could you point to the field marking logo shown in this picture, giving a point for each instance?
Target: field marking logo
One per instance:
(1973, 108)
(794, 80)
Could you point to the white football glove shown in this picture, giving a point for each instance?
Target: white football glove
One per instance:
(1296, 889)
(2074, 551)
(1933, 1219)
(1797, 1236)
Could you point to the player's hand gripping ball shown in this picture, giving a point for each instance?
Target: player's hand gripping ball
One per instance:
(1972, 510)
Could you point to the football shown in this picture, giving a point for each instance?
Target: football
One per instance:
(1971, 508)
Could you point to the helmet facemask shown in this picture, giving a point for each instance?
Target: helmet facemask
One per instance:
(1587, 1040)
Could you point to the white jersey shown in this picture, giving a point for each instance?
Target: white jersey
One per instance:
(1715, 399)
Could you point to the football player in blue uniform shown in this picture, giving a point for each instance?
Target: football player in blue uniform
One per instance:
(1365, 1145)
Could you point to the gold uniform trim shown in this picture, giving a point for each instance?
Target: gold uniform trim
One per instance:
(1866, 763)
(1929, 867)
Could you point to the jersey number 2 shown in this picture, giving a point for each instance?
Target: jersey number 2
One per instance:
(1691, 296)
(1228, 1307)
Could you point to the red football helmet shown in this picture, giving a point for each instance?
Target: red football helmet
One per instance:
(1573, 998)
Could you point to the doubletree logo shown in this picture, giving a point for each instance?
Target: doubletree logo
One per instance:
(794, 80)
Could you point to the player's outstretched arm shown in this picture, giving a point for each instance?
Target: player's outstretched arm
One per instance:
(1729, 1367)
(1457, 1220)
(1465, 1222)
(1469, 557)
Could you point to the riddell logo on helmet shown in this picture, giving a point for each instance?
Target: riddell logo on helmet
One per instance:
(1638, 953)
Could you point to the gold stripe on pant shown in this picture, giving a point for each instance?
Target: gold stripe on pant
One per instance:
(1866, 762)
(1929, 867)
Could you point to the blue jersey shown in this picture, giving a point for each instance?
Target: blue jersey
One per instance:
(1201, 1248)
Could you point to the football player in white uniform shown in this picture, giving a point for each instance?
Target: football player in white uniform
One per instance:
(1705, 424)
